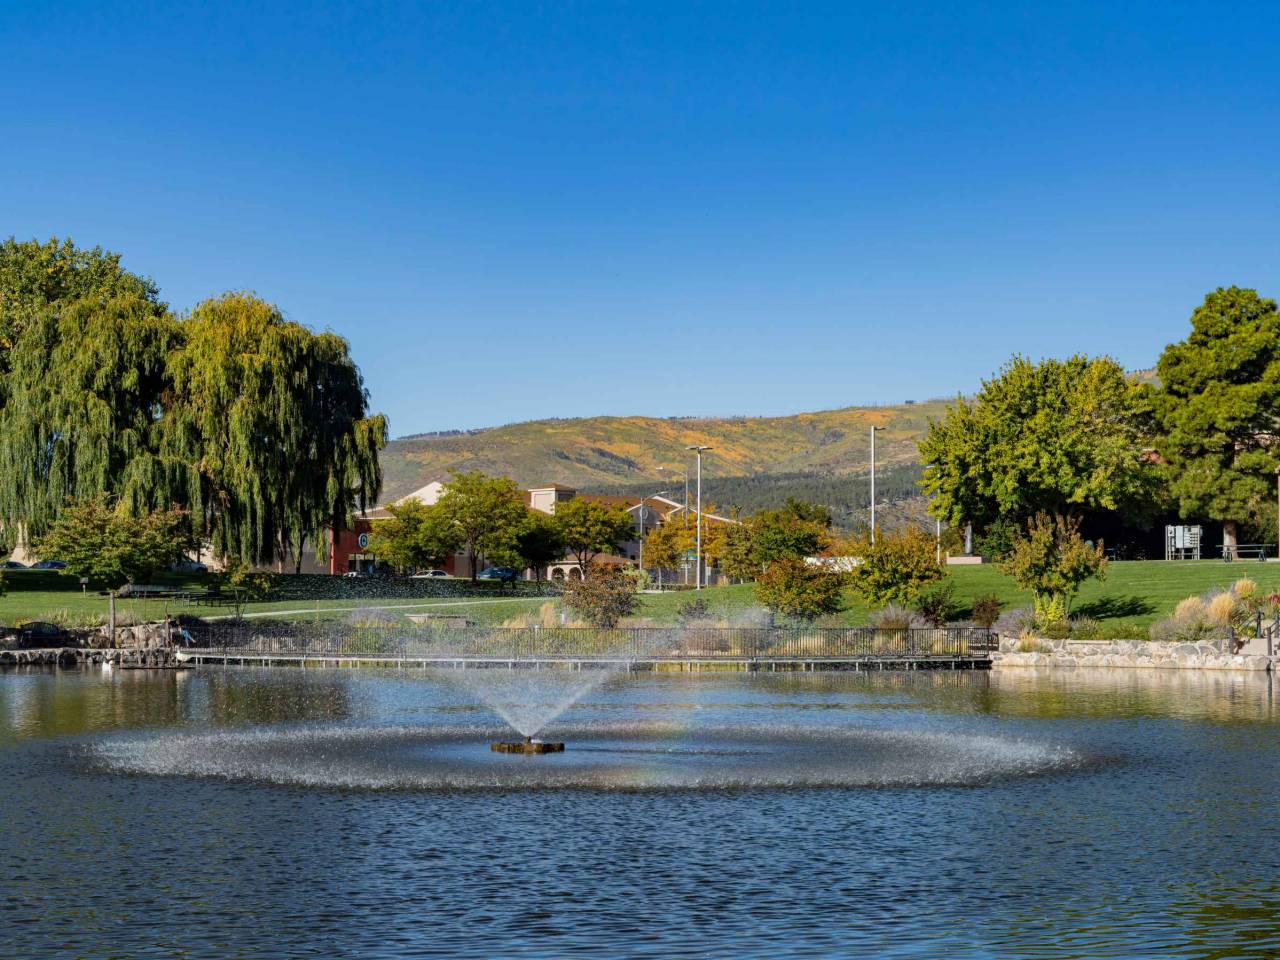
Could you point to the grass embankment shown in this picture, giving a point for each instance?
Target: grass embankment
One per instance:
(1136, 593)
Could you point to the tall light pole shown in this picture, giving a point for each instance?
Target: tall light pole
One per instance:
(697, 580)
(1278, 512)
(873, 483)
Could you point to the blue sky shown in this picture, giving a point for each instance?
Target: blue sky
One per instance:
(524, 210)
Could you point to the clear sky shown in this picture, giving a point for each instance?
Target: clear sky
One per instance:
(556, 209)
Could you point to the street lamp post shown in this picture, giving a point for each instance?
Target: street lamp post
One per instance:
(697, 580)
(873, 483)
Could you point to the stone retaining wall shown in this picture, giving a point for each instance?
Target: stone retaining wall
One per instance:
(1127, 653)
(74, 656)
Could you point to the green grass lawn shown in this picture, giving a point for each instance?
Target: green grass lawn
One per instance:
(1135, 593)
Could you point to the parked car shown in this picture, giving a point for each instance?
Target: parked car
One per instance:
(49, 565)
(428, 574)
(41, 633)
(187, 565)
(14, 565)
(505, 574)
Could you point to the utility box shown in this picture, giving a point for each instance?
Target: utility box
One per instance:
(1182, 541)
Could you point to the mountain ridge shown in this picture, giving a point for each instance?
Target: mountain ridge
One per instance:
(587, 452)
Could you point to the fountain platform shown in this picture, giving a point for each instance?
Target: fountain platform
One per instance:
(528, 746)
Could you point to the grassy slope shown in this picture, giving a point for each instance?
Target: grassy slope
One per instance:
(1135, 593)
(590, 451)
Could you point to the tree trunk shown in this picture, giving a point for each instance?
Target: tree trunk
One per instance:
(1229, 539)
(297, 559)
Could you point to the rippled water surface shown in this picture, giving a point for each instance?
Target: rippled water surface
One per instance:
(261, 813)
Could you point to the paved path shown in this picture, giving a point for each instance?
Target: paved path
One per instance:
(371, 606)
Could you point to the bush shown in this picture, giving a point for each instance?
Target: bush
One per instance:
(986, 610)
(693, 610)
(937, 604)
(604, 598)
(894, 617)
(1209, 617)
(1017, 622)
(896, 568)
(997, 540)
(1052, 560)
(805, 591)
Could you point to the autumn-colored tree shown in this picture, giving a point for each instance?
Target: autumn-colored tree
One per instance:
(604, 598)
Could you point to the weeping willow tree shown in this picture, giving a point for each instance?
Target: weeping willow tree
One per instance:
(82, 380)
(35, 277)
(83, 410)
(271, 425)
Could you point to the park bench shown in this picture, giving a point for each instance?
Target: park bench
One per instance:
(1245, 551)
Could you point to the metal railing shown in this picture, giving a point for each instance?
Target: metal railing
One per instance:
(321, 639)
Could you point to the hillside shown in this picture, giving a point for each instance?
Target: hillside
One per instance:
(600, 452)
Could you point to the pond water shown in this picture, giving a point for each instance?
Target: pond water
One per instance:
(282, 813)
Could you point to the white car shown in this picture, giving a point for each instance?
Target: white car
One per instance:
(430, 574)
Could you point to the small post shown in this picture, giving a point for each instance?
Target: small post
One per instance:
(111, 616)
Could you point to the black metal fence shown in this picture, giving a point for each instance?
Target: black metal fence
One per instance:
(396, 641)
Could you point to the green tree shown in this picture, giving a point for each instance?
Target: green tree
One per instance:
(896, 567)
(268, 421)
(415, 536)
(488, 513)
(1052, 560)
(1218, 408)
(243, 584)
(589, 528)
(97, 538)
(37, 279)
(1065, 436)
(796, 530)
(539, 545)
(83, 413)
(800, 590)
(603, 599)
(737, 556)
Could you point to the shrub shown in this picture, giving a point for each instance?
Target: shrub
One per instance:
(801, 590)
(1052, 560)
(894, 617)
(996, 541)
(896, 568)
(1015, 623)
(604, 598)
(986, 610)
(1086, 628)
(691, 610)
(937, 604)
(1055, 630)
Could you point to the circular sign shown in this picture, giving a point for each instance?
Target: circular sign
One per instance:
(363, 540)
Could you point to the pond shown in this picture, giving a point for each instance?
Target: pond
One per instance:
(289, 813)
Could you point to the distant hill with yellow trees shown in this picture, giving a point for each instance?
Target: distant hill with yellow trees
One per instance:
(607, 452)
